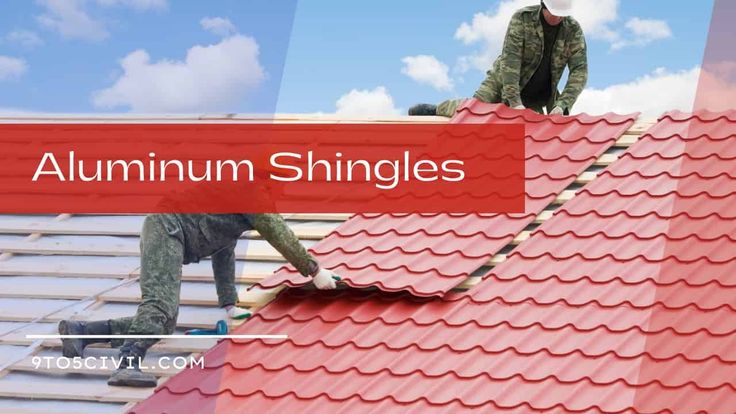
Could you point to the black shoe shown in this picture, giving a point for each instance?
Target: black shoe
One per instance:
(132, 377)
(129, 374)
(423, 110)
(74, 347)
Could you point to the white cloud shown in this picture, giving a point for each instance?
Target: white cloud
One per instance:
(652, 94)
(644, 32)
(136, 4)
(211, 78)
(71, 20)
(374, 102)
(489, 29)
(428, 70)
(23, 38)
(12, 68)
(218, 26)
(599, 20)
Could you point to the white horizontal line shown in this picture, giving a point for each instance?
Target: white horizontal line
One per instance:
(50, 336)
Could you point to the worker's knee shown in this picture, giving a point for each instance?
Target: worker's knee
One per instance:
(161, 223)
(155, 317)
(160, 229)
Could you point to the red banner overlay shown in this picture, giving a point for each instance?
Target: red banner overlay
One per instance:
(286, 168)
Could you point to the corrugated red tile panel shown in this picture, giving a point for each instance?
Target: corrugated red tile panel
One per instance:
(601, 310)
(654, 236)
(429, 254)
(356, 352)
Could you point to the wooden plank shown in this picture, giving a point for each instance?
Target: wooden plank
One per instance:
(47, 410)
(117, 246)
(189, 316)
(86, 225)
(524, 235)
(606, 159)
(544, 216)
(109, 267)
(166, 345)
(469, 283)
(52, 287)
(69, 266)
(70, 390)
(126, 226)
(17, 406)
(25, 410)
(192, 294)
(586, 177)
(627, 140)
(641, 126)
(25, 310)
(497, 260)
(565, 196)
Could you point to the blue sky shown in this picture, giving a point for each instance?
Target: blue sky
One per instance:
(58, 60)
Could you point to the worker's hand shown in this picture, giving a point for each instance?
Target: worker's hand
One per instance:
(520, 107)
(557, 111)
(325, 279)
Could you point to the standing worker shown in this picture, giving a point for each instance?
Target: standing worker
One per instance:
(167, 242)
(540, 42)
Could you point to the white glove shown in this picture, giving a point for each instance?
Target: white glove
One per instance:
(325, 279)
(236, 312)
(520, 107)
(557, 111)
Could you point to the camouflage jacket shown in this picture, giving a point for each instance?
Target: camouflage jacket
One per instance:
(207, 234)
(522, 53)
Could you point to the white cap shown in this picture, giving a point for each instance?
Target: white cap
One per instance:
(561, 8)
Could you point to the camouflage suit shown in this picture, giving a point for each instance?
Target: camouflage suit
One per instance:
(520, 57)
(170, 240)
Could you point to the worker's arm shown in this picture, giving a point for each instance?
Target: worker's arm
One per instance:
(223, 267)
(274, 230)
(511, 55)
(485, 90)
(578, 65)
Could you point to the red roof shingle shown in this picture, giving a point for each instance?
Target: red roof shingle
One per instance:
(429, 254)
(602, 309)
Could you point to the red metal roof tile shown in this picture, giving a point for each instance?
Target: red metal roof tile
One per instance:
(635, 271)
(519, 288)
(347, 345)
(619, 303)
(428, 255)
(225, 404)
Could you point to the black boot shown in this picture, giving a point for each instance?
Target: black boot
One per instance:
(74, 347)
(423, 110)
(129, 374)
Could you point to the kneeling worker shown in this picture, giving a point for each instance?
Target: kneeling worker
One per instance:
(167, 242)
(540, 42)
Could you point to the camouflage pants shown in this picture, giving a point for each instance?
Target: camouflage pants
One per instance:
(448, 108)
(162, 255)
